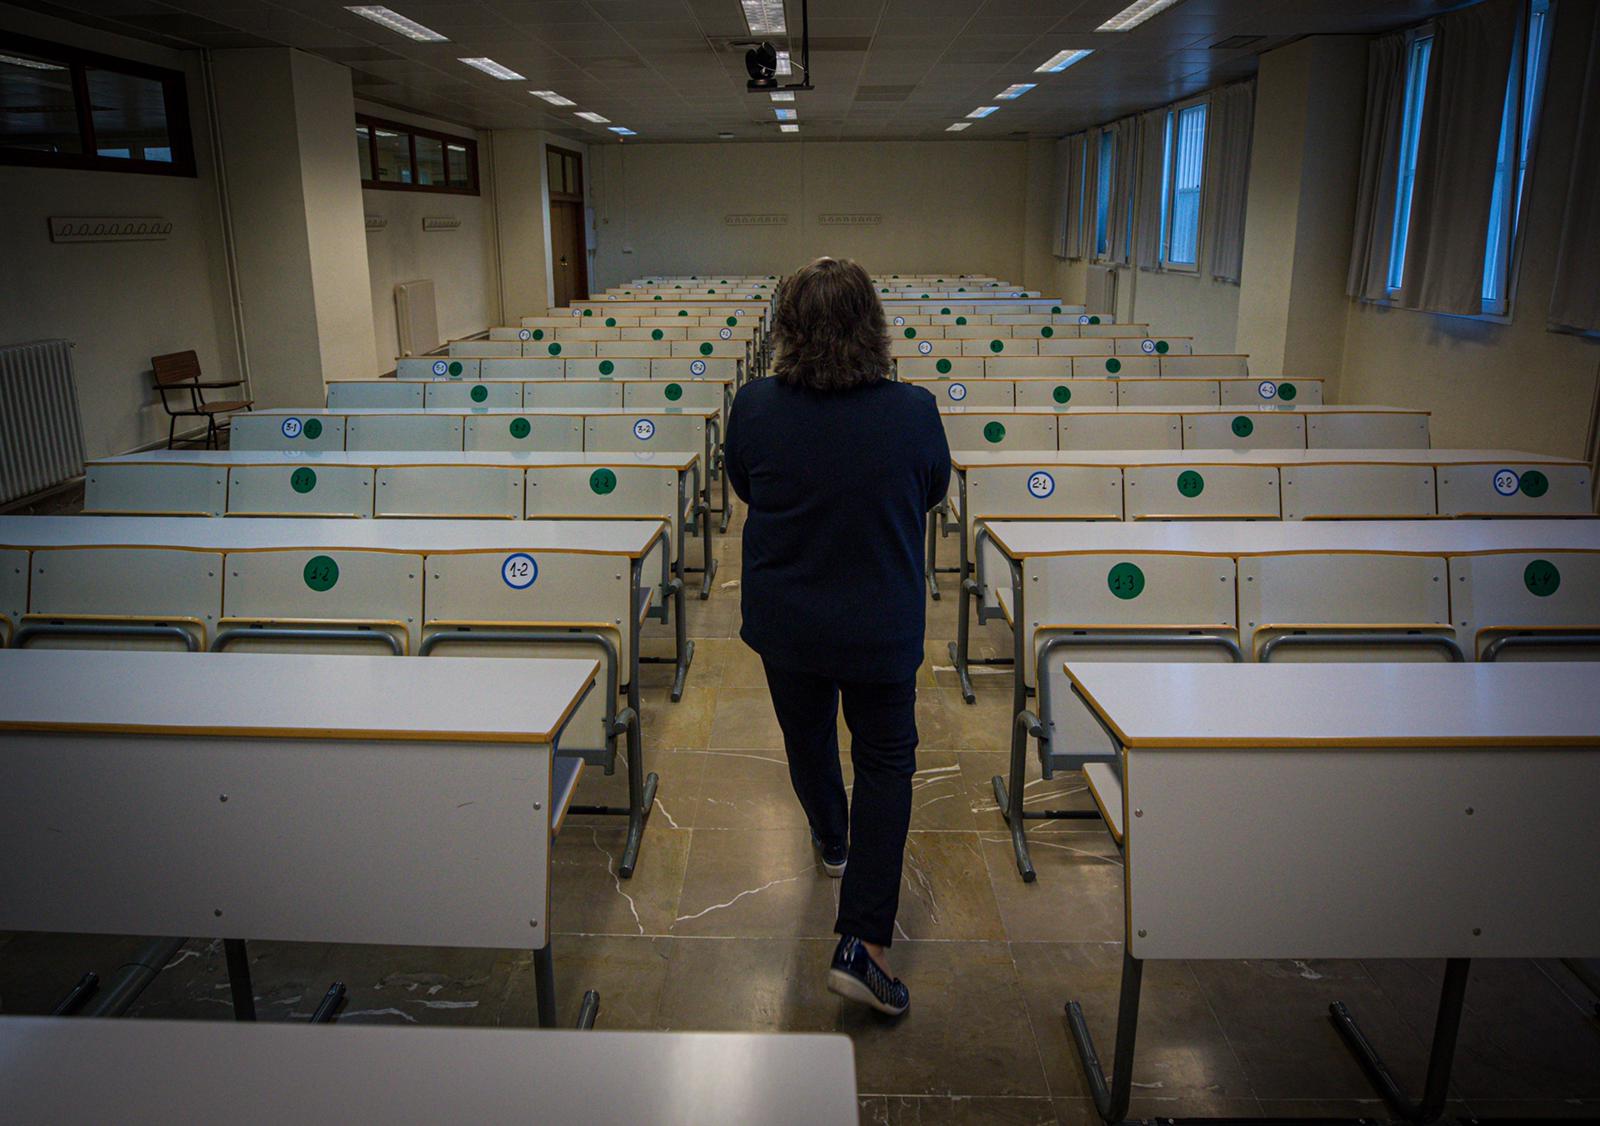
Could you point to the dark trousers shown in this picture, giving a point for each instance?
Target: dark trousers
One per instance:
(883, 750)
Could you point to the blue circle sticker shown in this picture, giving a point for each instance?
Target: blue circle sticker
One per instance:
(519, 571)
(525, 334)
(926, 347)
(440, 367)
(1506, 482)
(957, 391)
(1041, 484)
(697, 368)
(292, 427)
(1267, 389)
(1148, 347)
(644, 430)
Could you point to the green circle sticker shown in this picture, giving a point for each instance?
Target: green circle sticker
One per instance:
(1162, 346)
(1191, 484)
(732, 321)
(313, 429)
(602, 481)
(1047, 332)
(942, 367)
(1535, 484)
(1062, 393)
(479, 394)
(961, 320)
(1541, 578)
(656, 334)
(455, 368)
(538, 334)
(997, 345)
(995, 432)
(1126, 581)
(1243, 427)
(706, 349)
(607, 367)
(674, 392)
(554, 349)
(911, 334)
(321, 572)
(303, 480)
(521, 428)
(1113, 365)
(1287, 392)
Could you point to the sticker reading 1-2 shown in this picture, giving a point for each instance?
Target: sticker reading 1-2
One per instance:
(644, 430)
(519, 571)
(1041, 484)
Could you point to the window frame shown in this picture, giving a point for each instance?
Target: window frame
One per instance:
(411, 133)
(1169, 182)
(175, 99)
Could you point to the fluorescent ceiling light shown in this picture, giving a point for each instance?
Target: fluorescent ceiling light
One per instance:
(983, 111)
(31, 64)
(552, 97)
(1014, 91)
(622, 131)
(786, 114)
(590, 115)
(958, 126)
(783, 95)
(788, 128)
(394, 21)
(493, 69)
(784, 68)
(1061, 60)
(1135, 14)
(765, 17)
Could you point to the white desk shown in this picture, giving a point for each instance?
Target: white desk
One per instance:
(295, 798)
(159, 1072)
(1350, 811)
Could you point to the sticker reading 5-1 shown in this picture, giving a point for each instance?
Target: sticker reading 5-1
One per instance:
(519, 571)
(1041, 484)
(321, 573)
(644, 430)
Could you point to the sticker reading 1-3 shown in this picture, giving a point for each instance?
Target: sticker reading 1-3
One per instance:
(957, 392)
(1041, 484)
(519, 571)
(644, 430)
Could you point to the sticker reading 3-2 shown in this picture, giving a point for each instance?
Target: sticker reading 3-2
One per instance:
(519, 571)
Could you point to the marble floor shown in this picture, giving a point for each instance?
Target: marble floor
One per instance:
(727, 925)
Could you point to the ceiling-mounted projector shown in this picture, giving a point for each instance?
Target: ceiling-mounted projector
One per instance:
(761, 61)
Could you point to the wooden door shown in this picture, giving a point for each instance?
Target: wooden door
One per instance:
(569, 252)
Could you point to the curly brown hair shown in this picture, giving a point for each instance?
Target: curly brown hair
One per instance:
(829, 328)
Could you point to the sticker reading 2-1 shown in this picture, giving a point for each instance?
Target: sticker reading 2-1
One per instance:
(1041, 484)
(644, 430)
(519, 571)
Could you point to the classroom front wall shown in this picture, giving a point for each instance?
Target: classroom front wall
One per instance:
(669, 205)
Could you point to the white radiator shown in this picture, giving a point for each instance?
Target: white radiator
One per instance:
(1100, 290)
(416, 317)
(41, 431)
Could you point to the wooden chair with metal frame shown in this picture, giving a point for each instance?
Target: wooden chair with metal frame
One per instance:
(179, 372)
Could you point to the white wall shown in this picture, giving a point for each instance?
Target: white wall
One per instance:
(953, 206)
(119, 302)
(461, 263)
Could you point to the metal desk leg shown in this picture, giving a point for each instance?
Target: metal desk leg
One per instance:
(1112, 1102)
(1447, 1025)
(244, 999)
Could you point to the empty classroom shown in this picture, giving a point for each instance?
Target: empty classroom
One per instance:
(796, 562)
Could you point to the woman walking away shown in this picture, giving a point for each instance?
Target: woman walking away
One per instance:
(839, 466)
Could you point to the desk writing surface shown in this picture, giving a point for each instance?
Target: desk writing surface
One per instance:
(673, 459)
(983, 459)
(632, 538)
(295, 696)
(1032, 538)
(1344, 704)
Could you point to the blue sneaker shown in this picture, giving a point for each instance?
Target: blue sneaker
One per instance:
(856, 977)
(833, 859)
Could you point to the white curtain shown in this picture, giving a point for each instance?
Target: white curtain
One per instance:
(1063, 194)
(1147, 219)
(1125, 141)
(1230, 121)
(1380, 168)
(1573, 91)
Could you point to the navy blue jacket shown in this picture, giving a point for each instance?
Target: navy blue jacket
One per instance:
(838, 486)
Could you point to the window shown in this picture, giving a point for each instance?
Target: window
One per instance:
(408, 158)
(1182, 169)
(1102, 196)
(64, 107)
(1410, 133)
(1523, 91)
